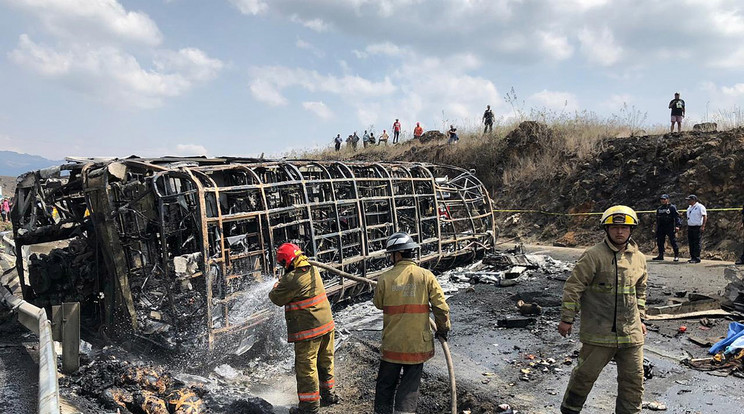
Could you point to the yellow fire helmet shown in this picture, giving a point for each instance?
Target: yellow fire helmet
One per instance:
(623, 215)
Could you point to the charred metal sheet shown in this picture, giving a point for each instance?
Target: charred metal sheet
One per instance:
(169, 246)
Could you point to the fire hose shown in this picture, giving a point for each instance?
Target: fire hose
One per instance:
(442, 341)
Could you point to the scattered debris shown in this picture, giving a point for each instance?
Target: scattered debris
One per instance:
(515, 322)
(529, 309)
(654, 406)
(648, 369)
(734, 291)
(505, 409)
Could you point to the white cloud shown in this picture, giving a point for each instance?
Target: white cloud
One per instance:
(315, 24)
(301, 44)
(191, 62)
(732, 60)
(319, 109)
(386, 48)
(735, 90)
(268, 81)
(616, 101)
(111, 75)
(190, 149)
(90, 20)
(555, 100)
(600, 46)
(265, 91)
(253, 7)
(555, 45)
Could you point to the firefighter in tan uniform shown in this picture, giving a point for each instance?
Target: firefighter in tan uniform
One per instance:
(608, 287)
(309, 326)
(405, 294)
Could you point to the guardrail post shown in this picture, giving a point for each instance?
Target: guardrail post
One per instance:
(66, 329)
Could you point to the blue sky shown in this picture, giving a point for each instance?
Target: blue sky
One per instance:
(245, 77)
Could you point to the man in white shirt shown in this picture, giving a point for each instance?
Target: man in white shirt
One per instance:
(697, 216)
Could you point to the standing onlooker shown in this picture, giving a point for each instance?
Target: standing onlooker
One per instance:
(365, 139)
(607, 290)
(384, 138)
(488, 119)
(350, 142)
(678, 112)
(697, 216)
(338, 142)
(396, 131)
(406, 294)
(667, 225)
(354, 140)
(453, 138)
(741, 259)
(5, 209)
(418, 131)
(372, 139)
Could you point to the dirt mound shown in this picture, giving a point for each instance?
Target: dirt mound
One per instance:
(432, 136)
(529, 137)
(535, 167)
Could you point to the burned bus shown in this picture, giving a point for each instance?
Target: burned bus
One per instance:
(165, 248)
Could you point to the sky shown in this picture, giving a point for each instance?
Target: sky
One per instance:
(246, 77)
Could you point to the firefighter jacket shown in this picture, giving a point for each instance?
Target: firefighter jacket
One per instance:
(404, 294)
(306, 307)
(609, 288)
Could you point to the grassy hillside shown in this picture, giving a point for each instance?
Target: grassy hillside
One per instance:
(586, 165)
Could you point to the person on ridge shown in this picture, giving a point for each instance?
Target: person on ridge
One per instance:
(396, 131)
(418, 131)
(678, 112)
(488, 120)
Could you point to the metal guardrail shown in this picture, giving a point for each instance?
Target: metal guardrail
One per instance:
(35, 319)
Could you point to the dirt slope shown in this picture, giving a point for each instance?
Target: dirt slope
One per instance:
(535, 168)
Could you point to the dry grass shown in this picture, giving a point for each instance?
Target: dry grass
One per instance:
(574, 138)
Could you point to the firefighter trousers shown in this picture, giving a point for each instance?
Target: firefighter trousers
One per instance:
(592, 360)
(314, 370)
(394, 390)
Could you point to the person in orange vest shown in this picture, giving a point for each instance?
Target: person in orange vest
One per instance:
(418, 131)
(310, 327)
(405, 294)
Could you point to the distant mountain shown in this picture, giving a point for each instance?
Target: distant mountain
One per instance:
(15, 164)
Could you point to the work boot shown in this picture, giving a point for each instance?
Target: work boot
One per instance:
(658, 258)
(676, 258)
(304, 410)
(328, 397)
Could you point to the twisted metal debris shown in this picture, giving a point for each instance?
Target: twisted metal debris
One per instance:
(170, 245)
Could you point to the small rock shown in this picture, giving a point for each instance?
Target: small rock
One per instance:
(655, 406)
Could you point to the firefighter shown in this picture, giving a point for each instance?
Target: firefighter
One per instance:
(405, 293)
(309, 326)
(608, 286)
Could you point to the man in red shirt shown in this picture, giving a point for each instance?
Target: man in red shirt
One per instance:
(418, 131)
(396, 131)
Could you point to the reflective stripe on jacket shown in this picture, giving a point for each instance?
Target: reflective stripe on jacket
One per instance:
(609, 288)
(306, 307)
(404, 293)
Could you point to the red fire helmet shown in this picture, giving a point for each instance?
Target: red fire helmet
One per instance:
(286, 253)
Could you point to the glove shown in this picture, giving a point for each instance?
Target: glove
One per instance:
(441, 334)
